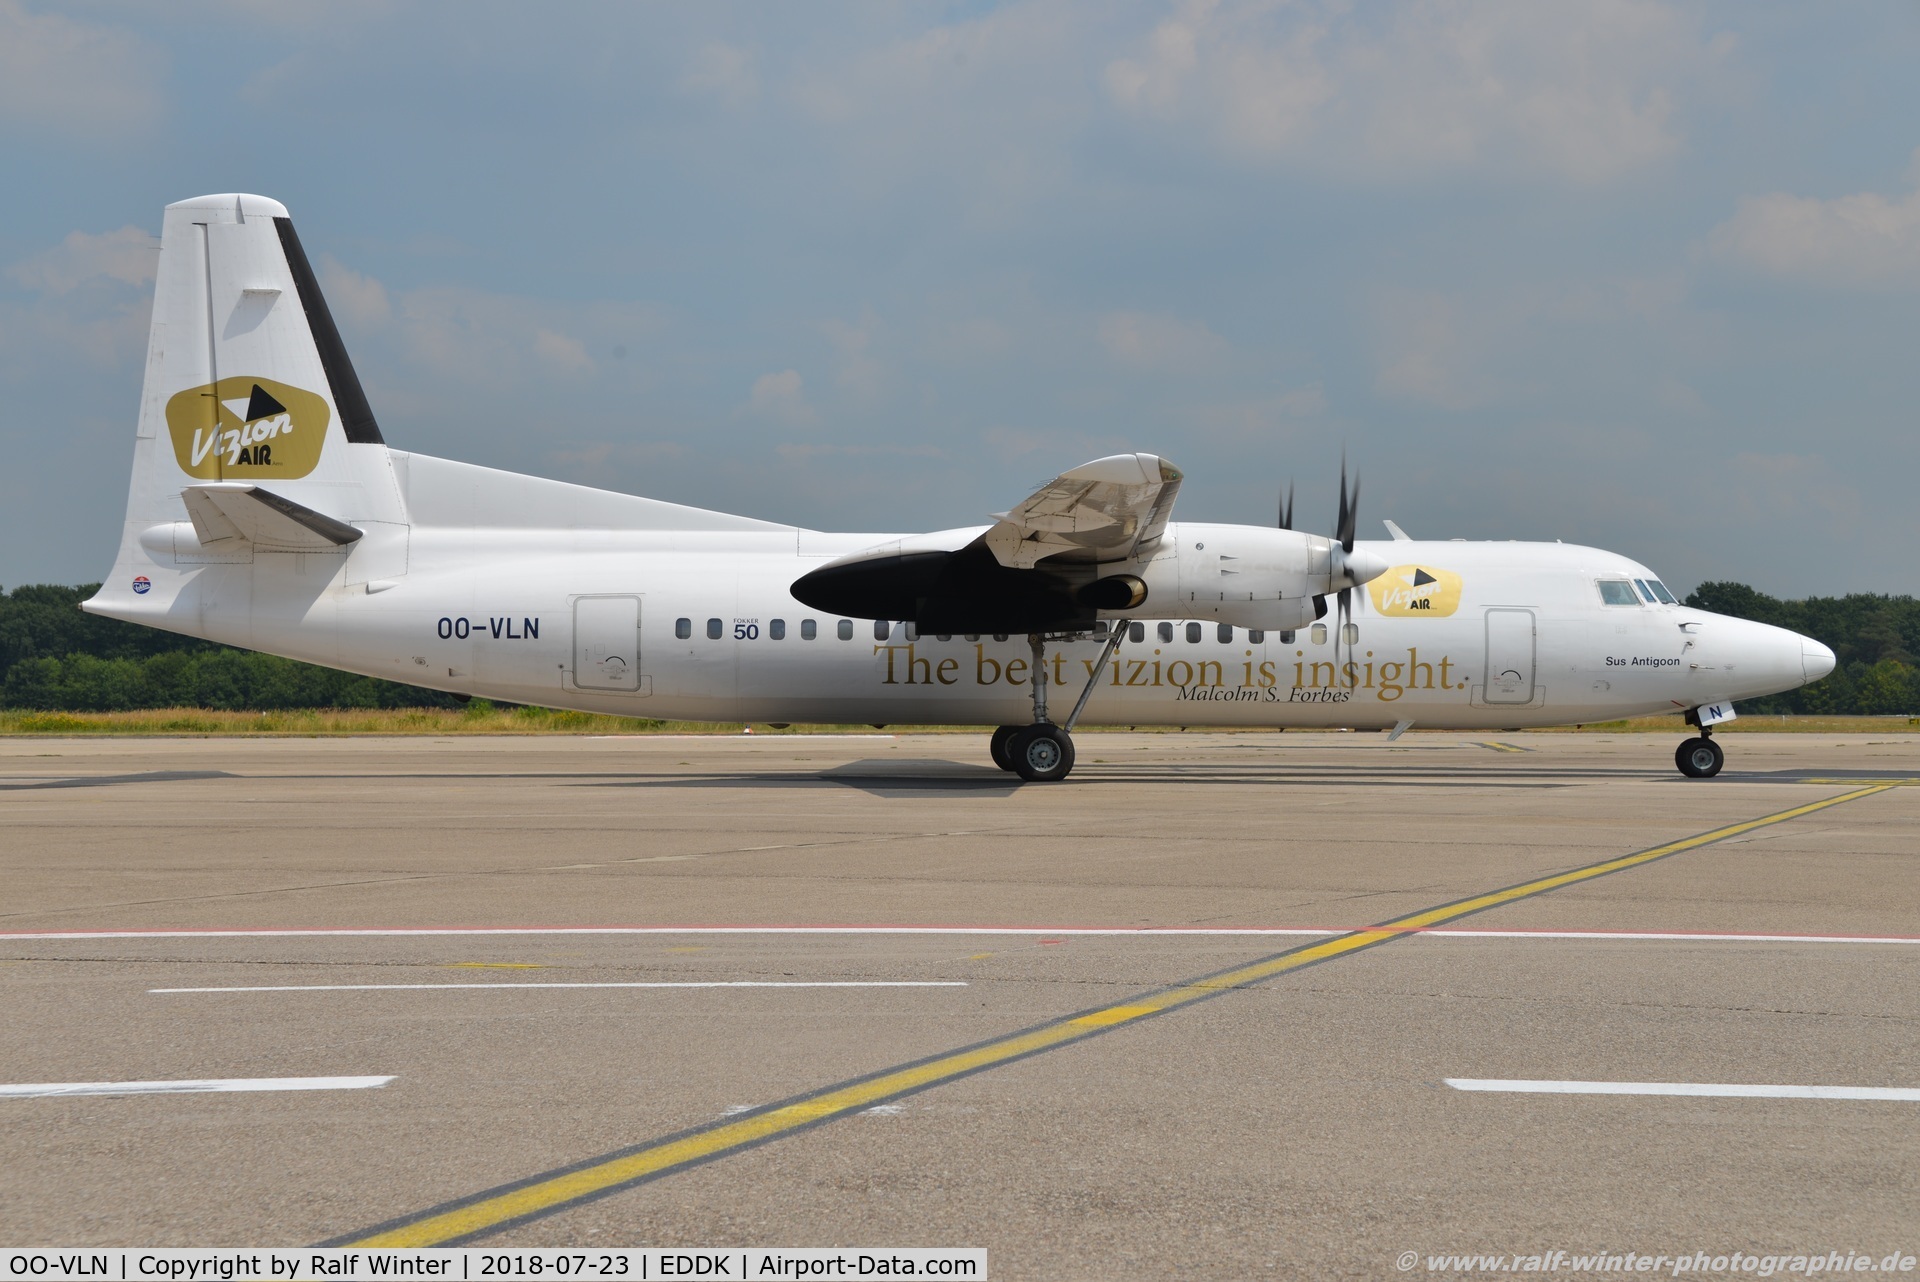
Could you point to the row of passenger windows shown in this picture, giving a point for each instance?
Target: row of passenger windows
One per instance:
(749, 630)
(1620, 592)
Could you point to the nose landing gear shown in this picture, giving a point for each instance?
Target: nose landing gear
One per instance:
(1699, 758)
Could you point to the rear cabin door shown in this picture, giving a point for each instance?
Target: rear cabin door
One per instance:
(606, 643)
(1510, 650)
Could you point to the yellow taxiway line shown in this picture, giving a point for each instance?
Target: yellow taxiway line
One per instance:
(543, 1194)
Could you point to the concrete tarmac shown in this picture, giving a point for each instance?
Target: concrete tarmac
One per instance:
(1300, 1126)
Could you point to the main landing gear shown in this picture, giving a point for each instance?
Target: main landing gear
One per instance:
(1043, 752)
(1699, 758)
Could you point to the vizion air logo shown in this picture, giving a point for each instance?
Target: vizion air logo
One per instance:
(1415, 591)
(245, 428)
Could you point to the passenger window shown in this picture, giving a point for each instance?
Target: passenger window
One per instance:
(713, 629)
(846, 629)
(943, 636)
(1137, 633)
(1255, 636)
(1166, 632)
(1193, 634)
(1617, 592)
(776, 629)
(973, 636)
(1226, 634)
(913, 631)
(1101, 627)
(1660, 590)
(808, 630)
(1350, 633)
(1286, 638)
(880, 629)
(683, 628)
(1319, 634)
(999, 636)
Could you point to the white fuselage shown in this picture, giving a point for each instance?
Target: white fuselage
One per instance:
(593, 620)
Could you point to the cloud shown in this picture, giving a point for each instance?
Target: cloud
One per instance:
(1864, 241)
(476, 337)
(725, 72)
(781, 398)
(1168, 344)
(128, 256)
(358, 299)
(66, 77)
(561, 351)
(1585, 92)
(859, 372)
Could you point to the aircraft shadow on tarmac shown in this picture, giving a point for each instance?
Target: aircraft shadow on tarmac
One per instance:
(893, 778)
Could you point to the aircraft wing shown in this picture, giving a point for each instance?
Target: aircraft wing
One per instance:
(1111, 509)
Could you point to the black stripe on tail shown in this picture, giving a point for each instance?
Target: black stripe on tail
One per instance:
(356, 416)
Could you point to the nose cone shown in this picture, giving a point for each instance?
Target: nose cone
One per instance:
(1362, 565)
(1815, 659)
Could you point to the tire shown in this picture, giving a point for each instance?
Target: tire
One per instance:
(1000, 747)
(1042, 753)
(1699, 758)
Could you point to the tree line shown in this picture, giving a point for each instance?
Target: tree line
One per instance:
(56, 657)
(1874, 640)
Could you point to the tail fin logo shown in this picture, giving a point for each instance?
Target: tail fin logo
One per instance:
(245, 428)
(1416, 591)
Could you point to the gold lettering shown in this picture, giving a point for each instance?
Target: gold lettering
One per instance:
(944, 673)
(981, 663)
(1390, 681)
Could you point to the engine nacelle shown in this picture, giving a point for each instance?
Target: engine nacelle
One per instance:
(1247, 575)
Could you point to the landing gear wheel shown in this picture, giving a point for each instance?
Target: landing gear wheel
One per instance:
(1042, 753)
(1699, 758)
(1000, 747)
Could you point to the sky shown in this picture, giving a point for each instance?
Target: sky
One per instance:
(1625, 273)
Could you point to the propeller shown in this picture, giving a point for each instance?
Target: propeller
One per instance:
(1344, 528)
(1286, 508)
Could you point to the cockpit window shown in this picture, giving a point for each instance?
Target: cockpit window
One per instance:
(1646, 593)
(1660, 590)
(1617, 592)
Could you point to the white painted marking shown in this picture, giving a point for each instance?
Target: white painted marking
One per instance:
(405, 932)
(730, 738)
(1736, 1090)
(715, 983)
(38, 1090)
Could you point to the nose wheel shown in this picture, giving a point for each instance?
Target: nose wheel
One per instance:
(1699, 758)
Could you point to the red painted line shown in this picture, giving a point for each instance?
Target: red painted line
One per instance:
(1489, 932)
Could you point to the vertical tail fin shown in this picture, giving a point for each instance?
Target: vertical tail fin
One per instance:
(247, 386)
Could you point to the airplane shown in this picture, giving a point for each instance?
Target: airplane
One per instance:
(267, 511)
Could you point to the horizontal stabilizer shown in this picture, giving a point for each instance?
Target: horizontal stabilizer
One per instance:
(229, 512)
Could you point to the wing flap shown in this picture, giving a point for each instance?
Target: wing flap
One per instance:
(1112, 509)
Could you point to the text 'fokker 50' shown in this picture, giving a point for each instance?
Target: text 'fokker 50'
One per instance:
(267, 511)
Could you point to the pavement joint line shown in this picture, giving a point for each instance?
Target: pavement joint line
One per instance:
(546, 1193)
